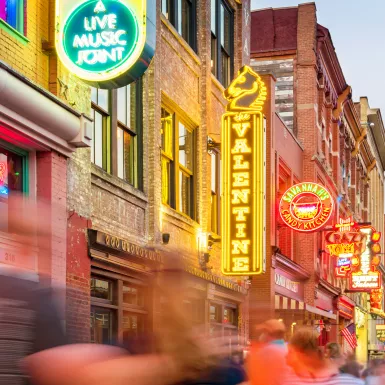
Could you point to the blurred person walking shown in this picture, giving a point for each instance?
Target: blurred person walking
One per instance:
(267, 358)
(29, 321)
(309, 364)
(333, 354)
(376, 373)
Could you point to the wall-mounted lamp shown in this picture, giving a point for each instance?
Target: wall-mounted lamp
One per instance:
(212, 145)
(165, 238)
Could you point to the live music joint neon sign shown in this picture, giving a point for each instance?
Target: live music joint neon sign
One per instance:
(107, 43)
(243, 160)
(306, 207)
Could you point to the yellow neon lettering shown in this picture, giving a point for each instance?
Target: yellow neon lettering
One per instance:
(240, 147)
(241, 128)
(240, 264)
(241, 179)
(240, 230)
(240, 164)
(240, 247)
(240, 211)
(240, 196)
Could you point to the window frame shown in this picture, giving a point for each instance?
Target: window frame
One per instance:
(172, 15)
(116, 306)
(110, 136)
(176, 168)
(20, 10)
(216, 37)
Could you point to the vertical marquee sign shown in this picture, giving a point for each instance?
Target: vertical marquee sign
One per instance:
(106, 43)
(243, 160)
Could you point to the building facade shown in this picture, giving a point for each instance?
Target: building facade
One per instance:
(322, 138)
(39, 131)
(150, 184)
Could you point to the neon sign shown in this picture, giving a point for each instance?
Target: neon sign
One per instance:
(107, 43)
(306, 207)
(243, 159)
(365, 278)
(346, 244)
(3, 172)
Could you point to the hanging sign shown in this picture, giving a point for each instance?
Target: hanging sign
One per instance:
(365, 277)
(243, 160)
(345, 243)
(380, 332)
(106, 43)
(376, 302)
(306, 207)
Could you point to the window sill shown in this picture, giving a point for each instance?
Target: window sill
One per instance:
(180, 39)
(217, 83)
(121, 186)
(13, 32)
(180, 217)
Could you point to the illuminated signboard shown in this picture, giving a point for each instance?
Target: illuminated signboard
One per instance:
(243, 182)
(306, 207)
(346, 243)
(106, 43)
(365, 276)
(376, 302)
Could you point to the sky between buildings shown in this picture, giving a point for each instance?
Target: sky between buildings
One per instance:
(357, 28)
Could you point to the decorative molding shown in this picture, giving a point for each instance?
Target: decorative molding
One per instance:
(359, 141)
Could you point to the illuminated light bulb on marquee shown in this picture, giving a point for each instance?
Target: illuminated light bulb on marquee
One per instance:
(306, 207)
(106, 43)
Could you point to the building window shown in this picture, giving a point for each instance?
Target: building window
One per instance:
(178, 160)
(13, 179)
(118, 310)
(222, 41)
(224, 321)
(182, 15)
(117, 144)
(100, 100)
(215, 191)
(12, 12)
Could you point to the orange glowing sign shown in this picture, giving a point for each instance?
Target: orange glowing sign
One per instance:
(243, 182)
(365, 276)
(306, 207)
(3, 171)
(346, 244)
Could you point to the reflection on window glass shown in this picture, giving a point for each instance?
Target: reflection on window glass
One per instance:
(229, 316)
(94, 95)
(185, 147)
(103, 99)
(11, 180)
(184, 193)
(101, 325)
(214, 313)
(126, 156)
(133, 295)
(12, 12)
(125, 105)
(101, 288)
(133, 325)
(97, 150)
(214, 16)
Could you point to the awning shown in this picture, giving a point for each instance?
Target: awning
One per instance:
(285, 303)
(322, 313)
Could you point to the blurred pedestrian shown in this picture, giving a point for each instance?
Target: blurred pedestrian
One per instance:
(310, 365)
(351, 367)
(29, 320)
(376, 373)
(267, 359)
(333, 355)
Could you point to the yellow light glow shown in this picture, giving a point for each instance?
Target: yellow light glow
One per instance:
(243, 176)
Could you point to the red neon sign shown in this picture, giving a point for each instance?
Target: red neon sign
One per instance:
(346, 244)
(365, 277)
(306, 207)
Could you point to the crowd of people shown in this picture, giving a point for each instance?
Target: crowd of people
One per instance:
(34, 348)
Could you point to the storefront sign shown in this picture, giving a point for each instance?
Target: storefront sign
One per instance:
(380, 332)
(365, 277)
(105, 42)
(345, 243)
(215, 279)
(288, 284)
(306, 207)
(376, 306)
(243, 159)
(127, 247)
